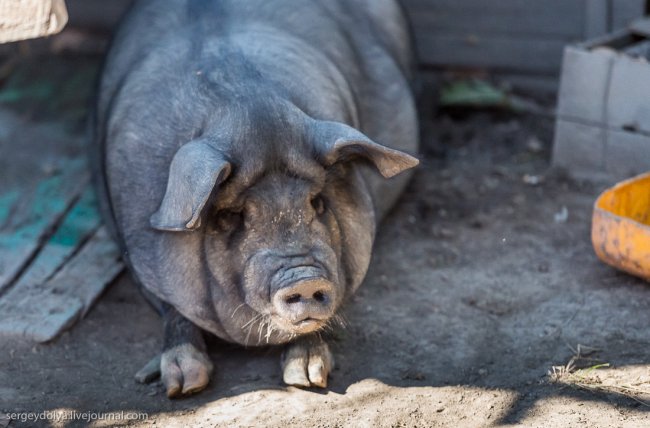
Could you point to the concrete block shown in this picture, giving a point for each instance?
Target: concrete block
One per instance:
(584, 84)
(579, 148)
(603, 124)
(628, 106)
(627, 154)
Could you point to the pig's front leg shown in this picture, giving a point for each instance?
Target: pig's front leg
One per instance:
(307, 362)
(184, 366)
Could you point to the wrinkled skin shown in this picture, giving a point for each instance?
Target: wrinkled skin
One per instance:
(245, 156)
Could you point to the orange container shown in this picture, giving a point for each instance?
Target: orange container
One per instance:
(620, 229)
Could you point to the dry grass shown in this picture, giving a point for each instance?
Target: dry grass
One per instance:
(585, 372)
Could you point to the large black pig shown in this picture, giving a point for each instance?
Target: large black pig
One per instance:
(246, 149)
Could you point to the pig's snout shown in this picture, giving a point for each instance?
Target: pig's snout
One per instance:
(305, 304)
(300, 292)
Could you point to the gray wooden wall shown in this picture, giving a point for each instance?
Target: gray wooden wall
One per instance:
(525, 36)
(515, 37)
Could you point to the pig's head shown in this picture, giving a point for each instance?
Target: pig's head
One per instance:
(287, 226)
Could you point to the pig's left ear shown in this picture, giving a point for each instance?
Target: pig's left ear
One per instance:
(195, 171)
(337, 142)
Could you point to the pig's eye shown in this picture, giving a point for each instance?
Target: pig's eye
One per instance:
(319, 204)
(227, 220)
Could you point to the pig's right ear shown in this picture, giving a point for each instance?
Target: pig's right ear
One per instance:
(197, 168)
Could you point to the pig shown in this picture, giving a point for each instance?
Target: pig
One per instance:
(245, 154)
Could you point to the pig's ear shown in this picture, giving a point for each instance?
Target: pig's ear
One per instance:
(195, 171)
(337, 142)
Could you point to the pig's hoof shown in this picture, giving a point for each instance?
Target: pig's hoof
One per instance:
(307, 363)
(185, 370)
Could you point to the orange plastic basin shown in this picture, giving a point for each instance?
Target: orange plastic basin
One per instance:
(620, 230)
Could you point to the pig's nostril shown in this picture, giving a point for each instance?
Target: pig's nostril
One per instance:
(319, 296)
(294, 298)
(305, 300)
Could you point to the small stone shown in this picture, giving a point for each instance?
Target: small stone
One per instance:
(534, 145)
(561, 216)
(533, 180)
(440, 232)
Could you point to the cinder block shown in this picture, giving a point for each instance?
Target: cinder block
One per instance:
(579, 148)
(627, 154)
(584, 83)
(603, 124)
(628, 106)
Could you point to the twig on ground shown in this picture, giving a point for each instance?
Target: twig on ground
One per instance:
(589, 377)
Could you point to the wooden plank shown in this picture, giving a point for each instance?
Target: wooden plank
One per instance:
(504, 53)
(625, 11)
(42, 312)
(78, 225)
(8, 202)
(596, 18)
(33, 216)
(562, 19)
(96, 265)
(496, 7)
(96, 14)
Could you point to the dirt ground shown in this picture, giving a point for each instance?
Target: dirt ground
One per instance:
(482, 281)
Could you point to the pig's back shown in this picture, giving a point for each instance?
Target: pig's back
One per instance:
(366, 42)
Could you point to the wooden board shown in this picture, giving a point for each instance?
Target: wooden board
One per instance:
(30, 217)
(41, 312)
(54, 258)
(625, 11)
(497, 53)
(596, 22)
(511, 36)
(79, 224)
(96, 14)
(517, 18)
